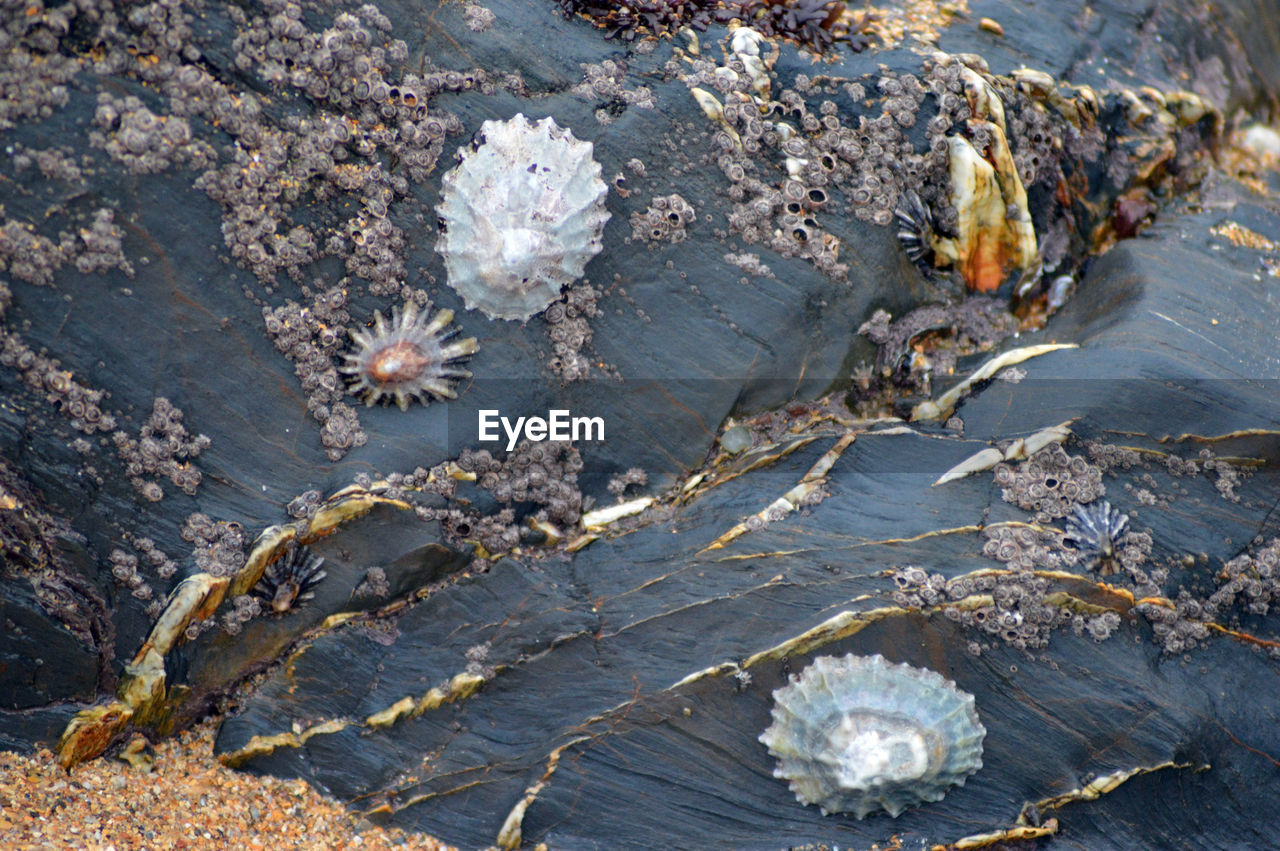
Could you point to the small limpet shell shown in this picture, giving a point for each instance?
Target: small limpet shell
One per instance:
(859, 734)
(523, 213)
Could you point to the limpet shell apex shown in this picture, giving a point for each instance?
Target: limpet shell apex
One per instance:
(859, 734)
(523, 214)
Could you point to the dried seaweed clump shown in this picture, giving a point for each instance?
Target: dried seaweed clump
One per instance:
(815, 24)
(626, 19)
(522, 214)
(1050, 483)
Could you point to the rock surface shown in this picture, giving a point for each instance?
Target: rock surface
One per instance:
(193, 252)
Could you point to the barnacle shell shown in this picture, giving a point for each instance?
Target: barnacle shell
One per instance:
(995, 230)
(523, 214)
(859, 734)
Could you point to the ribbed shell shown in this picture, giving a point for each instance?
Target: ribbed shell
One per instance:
(523, 214)
(859, 734)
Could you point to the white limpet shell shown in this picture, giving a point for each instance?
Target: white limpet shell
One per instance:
(523, 214)
(860, 734)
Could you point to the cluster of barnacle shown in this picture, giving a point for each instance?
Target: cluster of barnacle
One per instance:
(477, 18)
(311, 337)
(826, 154)
(164, 448)
(218, 546)
(54, 163)
(605, 82)
(373, 584)
(304, 504)
(1050, 483)
(1179, 627)
(1017, 612)
(538, 481)
(928, 341)
(1024, 547)
(101, 246)
(164, 566)
(1109, 456)
(749, 263)
(1227, 476)
(124, 567)
(570, 331)
(664, 221)
(81, 404)
(634, 477)
(31, 257)
(1251, 579)
(244, 608)
(628, 18)
(142, 141)
(28, 256)
(34, 72)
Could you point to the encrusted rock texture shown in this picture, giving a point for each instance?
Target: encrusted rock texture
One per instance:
(821, 221)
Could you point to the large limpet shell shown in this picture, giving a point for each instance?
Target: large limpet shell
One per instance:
(523, 214)
(859, 734)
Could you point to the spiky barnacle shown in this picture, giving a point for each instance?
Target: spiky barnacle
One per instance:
(915, 229)
(409, 357)
(289, 579)
(1095, 529)
(859, 734)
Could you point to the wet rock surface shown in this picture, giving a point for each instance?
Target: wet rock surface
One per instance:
(503, 648)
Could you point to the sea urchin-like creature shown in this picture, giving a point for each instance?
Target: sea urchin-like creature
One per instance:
(1095, 530)
(289, 579)
(521, 215)
(407, 357)
(859, 734)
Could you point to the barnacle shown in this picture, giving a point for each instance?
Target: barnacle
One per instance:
(289, 580)
(522, 214)
(995, 234)
(407, 358)
(1094, 530)
(859, 734)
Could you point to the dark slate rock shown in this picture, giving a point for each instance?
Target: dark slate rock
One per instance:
(578, 655)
